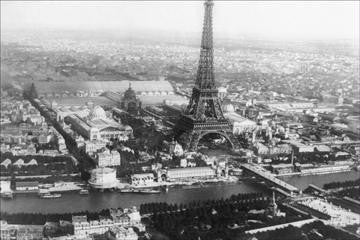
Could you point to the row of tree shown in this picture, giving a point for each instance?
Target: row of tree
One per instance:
(351, 193)
(315, 230)
(212, 219)
(41, 219)
(85, 162)
(344, 184)
(221, 221)
(152, 208)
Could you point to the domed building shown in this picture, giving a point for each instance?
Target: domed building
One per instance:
(103, 178)
(97, 113)
(228, 108)
(98, 126)
(130, 102)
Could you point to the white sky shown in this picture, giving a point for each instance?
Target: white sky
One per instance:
(270, 19)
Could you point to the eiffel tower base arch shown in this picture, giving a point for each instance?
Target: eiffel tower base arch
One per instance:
(190, 138)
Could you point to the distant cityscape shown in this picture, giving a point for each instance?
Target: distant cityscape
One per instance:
(116, 138)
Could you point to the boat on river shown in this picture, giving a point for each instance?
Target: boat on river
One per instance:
(50, 195)
(84, 192)
(7, 195)
(144, 191)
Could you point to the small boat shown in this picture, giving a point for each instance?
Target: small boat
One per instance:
(84, 192)
(146, 191)
(7, 195)
(126, 190)
(50, 196)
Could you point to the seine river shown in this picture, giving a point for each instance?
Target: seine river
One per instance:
(72, 202)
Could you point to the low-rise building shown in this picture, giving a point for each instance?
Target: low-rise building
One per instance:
(121, 233)
(60, 142)
(83, 228)
(282, 168)
(7, 231)
(261, 149)
(27, 186)
(173, 148)
(119, 220)
(190, 172)
(127, 217)
(107, 158)
(26, 232)
(301, 148)
(45, 138)
(20, 232)
(142, 178)
(94, 146)
(240, 124)
(5, 187)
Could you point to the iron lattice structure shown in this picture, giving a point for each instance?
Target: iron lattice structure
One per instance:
(204, 115)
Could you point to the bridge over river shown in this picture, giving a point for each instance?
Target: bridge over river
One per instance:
(261, 172)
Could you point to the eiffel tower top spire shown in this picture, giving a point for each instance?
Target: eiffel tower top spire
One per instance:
(205, 73)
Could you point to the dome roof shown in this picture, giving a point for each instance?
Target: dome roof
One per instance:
(128, 128)
(6, 162)
(19, 162)
(97, 112)
(130, 93)
(102, 171)
(32, 162)
(229, 108)
(89, 103)
(222, 89)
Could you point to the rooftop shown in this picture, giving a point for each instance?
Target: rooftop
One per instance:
(103, 170)
(27, 184)
(94, 86)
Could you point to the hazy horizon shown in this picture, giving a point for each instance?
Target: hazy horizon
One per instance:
(275, 20)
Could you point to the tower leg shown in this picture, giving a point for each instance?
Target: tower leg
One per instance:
(190, 139)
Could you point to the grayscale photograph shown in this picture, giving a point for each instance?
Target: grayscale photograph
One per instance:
(180, 120)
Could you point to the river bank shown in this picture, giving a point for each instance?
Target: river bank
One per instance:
(73, 201)
(302, 182)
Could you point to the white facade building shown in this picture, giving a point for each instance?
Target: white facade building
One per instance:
(97, 126)
(108, 158)
(122, 233)
(142, 178)
(191, 172)
(83, 228)
(94, 146)
(240, 124)
(120, 224)
(222, 92)
(102, 178)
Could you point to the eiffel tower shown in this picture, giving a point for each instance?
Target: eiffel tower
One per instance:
(204, 115)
